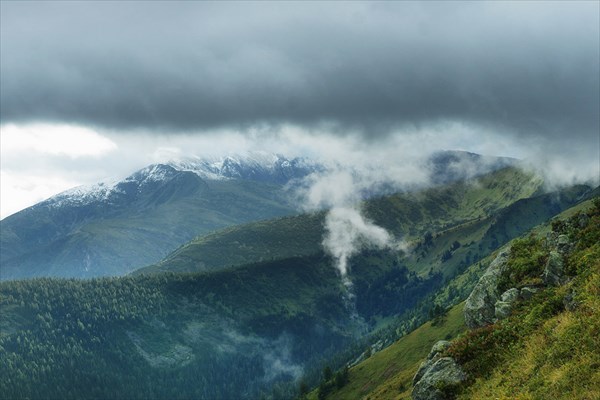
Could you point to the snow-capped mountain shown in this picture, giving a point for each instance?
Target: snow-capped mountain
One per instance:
(113, 228)
(256, 166)
(116, 227)
(266, 168)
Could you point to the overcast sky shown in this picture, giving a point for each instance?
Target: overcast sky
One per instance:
(94, 90)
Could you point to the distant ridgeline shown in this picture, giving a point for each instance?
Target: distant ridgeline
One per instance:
(112, 229)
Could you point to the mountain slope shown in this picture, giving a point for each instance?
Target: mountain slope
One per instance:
(547, 346)
(546, 349)
(404, 215)
(111, 229)
(388, 373)
(232, 333)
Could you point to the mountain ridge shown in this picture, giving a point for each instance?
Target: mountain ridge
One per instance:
(140, 218)
(114, 228)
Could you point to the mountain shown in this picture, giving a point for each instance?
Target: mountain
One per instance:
(451, 166)
(258, 329)
(545, 346)
(111, 229)
(114, 228)
(405, 215)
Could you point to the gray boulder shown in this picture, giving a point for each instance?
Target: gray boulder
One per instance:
(438, 380)
(554, 272)
(433, 356)
(563, 244)
(570, 301)
(503, 306)
(438, 347)
(511, 295)
(480, 307)
(502, 309)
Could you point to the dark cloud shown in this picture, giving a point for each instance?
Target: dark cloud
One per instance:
(520, 67)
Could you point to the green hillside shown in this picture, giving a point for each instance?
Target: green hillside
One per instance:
(546, 349)
(388, 373)
(407, 215)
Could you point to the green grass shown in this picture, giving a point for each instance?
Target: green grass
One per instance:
(388, 374)
(543, 350)
(254, 242)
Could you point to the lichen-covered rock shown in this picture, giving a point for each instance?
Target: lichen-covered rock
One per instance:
(480, 307)
(502, 309)
(438, 347)
(444, 374)
(433, 356)
(554, 272)
(510, 296)
(563, 244)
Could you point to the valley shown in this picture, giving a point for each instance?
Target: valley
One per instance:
(254, 309)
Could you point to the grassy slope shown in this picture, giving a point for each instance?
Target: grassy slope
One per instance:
(405, 215)
(388, 374)
(566, 368)
(552, 352)
(258, 241)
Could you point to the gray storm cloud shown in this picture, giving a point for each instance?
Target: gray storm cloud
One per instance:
(525, 68)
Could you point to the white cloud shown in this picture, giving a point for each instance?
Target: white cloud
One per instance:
(59, 140)
(38, 161)
(18, 190)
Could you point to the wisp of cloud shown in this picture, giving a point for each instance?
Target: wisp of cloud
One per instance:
(347, 230)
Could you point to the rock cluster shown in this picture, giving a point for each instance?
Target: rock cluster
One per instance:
(554, 272)
(434, 355)
(437, 375)
(485, 305)
(480, 307)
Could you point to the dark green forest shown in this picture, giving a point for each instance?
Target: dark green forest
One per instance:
(190, 335)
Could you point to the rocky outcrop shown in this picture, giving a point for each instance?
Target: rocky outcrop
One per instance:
(434, 355)
(503, 307)
(560, 246)
(439, 380)
(510, 296)
(480, 307)
(570, 302)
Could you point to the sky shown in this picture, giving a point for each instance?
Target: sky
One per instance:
(91, 91)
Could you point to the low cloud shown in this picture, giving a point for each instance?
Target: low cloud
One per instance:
(347, 232)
